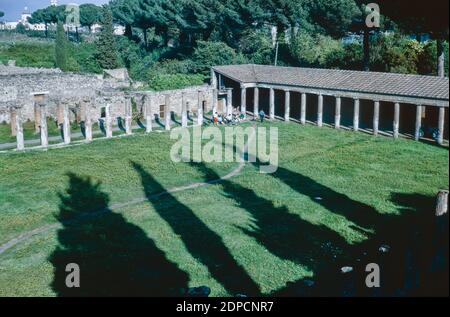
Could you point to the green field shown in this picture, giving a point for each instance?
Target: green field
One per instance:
(335, 195)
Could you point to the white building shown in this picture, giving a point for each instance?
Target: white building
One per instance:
(24, 21)
(118, 29)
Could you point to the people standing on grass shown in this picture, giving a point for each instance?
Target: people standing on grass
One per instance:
(262, 115)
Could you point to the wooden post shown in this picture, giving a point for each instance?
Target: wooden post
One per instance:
(148, 112)
(441, 123)
(184, 120)
(442, 203)
(19, 132)
(320, 111)
(244, 101)
(44, 130)
(303, 109)
(229, 101)
(128, 116)
(376, 117)
(256, 103)
(167, 113)
(272, 104)
(88, 121)
(13, 121)
(418, 122)
(66, 123)
(337, 116)
(200, 109)
(396, 120)
(356, 115)
(287, 105)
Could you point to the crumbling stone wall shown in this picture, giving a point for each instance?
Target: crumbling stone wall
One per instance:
(18, 86)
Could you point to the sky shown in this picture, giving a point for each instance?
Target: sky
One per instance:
(13, 8)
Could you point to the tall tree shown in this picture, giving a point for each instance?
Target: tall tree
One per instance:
(416, 17)
(106, 46)
(49, 15)
(124, 12)
(2, 14)
(89, 15)
(61, 53)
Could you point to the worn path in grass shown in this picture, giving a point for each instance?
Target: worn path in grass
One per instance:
(43, 229)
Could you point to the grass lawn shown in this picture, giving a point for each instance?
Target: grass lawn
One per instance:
(336, 195)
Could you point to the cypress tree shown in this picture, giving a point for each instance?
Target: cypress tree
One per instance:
(61, 55)
(106, 46)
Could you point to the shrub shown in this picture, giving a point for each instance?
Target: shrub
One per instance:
(208, 54)
(257, 47)
(29, 54)
(175, 81)
(316, 51)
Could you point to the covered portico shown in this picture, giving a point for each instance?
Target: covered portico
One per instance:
(382, 103)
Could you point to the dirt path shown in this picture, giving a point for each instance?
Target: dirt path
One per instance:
(46, 228)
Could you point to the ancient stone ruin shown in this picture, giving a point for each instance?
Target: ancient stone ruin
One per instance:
(31, 94)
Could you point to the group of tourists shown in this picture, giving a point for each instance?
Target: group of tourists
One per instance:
(232, 118)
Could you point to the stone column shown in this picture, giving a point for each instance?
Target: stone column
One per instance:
(88, 121)
(184, 118)
(214, 101)
(272, 104)
(19, 132)
(213, 79)
(418, 122)
(13, 121)
(37, 117)
(148, 113)
(108, 121)
(229, 101)
(167, 113)
(441, 123)
(356, 115)
(128, 116)
(256, 103)
(376, 117)
(287, 105)
(320, 111)
(44, 130)
(303, 109)
(244, 101)
(396, 126)
(60, 114)
(66, 123)
(337, 115)
(200, 109)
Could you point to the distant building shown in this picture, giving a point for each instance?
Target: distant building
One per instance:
(24, 21)
(118, 29)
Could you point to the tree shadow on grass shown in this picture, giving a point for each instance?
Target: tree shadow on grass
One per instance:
(203, 244)
(282, 233)
(406, 270)
(415, 264)
(364, 217)
(116, 258)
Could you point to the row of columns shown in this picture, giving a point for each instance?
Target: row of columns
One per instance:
(63, 114)
(337, 119)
